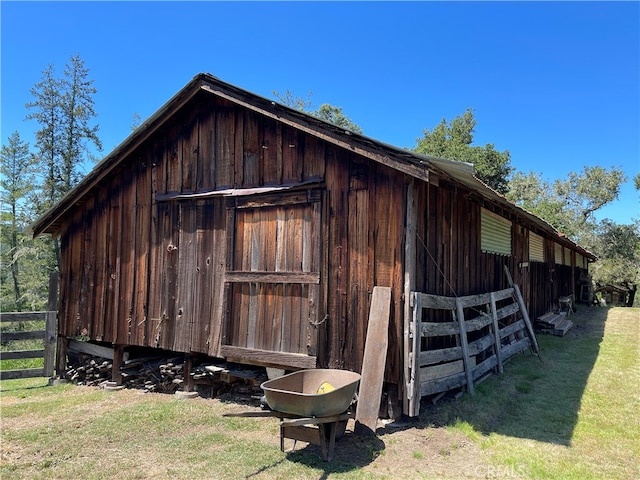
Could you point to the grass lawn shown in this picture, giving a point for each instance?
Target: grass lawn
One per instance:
(572, 415)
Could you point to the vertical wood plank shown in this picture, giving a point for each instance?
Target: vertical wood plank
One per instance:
(101, 264)
(87, 290)
(415, 331)
(314, 158)
(292, 148)
(496, 331)
(114, 249)
(157, 251)
(337, 188)
(358, 292)
(375, 354)
(74, 271)
(271, 152)
(465, 346)
(186, 255)
(409, 364)
(127, 242)
(142, 248)
(219, 250)
(206, 147)
(251, 159)
(171, 245)
(189, 140)
(173, 159)
(203, 309)
(224, 152)
(51, 330)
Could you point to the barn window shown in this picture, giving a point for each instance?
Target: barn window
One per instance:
(563, 255)
(273, 274)
(536, 248)
(495, 233)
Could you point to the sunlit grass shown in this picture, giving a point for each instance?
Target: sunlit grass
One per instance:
(572, 416)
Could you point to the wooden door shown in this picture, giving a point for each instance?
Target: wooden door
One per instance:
(273, 279)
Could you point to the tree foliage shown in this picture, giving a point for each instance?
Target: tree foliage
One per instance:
(64, 110)
(327, 112)
(618, 250)
(78, 131)
(568, 204)
(16, 184)
(590, 190)
(453, 140)
(33, 182)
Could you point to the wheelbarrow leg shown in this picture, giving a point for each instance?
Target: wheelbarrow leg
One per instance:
(327, 440)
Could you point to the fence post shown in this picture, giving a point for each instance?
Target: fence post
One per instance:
(49, 343)
(51, 325)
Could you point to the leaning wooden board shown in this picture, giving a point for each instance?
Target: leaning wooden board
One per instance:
(373, 364)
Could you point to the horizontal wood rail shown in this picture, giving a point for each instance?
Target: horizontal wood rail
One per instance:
(48, 335)
(455, 341)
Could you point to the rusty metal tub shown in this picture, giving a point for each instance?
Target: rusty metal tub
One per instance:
(320, 392)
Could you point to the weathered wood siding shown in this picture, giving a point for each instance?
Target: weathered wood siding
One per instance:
(451, 263)
(158, 273)
(284, 277)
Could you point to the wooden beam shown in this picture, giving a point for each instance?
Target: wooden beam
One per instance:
(272, 277)
(375, 356)
(267, 358)
(410, 356)
(90, 349)
(465, 346)
(496, 332)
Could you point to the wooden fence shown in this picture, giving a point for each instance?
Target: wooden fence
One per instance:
(48, 335)
(456, 341)
(47, 352)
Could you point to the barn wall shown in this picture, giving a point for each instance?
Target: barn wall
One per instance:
(150, 273)
(141, 271)
(450, 261)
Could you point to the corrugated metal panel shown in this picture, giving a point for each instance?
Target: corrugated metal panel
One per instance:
(536, 248)
(580, 261)
(495, 233)
(567, 256)
(558, 253)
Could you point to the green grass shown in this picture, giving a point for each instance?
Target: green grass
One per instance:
(573, 415)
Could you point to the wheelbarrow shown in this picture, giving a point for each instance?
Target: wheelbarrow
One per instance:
(312, 405)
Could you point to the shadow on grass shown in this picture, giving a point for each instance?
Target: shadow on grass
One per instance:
(537, 399)
(352, 452)
(16, 385)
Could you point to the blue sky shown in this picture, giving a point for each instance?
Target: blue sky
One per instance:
(555, 83)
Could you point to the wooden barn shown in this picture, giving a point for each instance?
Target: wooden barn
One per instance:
(231, 226)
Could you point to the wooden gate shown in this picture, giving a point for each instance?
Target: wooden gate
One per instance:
(273, 279)
(48, 335)
(455, 341)
(47, 352)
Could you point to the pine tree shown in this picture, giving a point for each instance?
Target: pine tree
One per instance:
(16, 184)
(64, 109)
